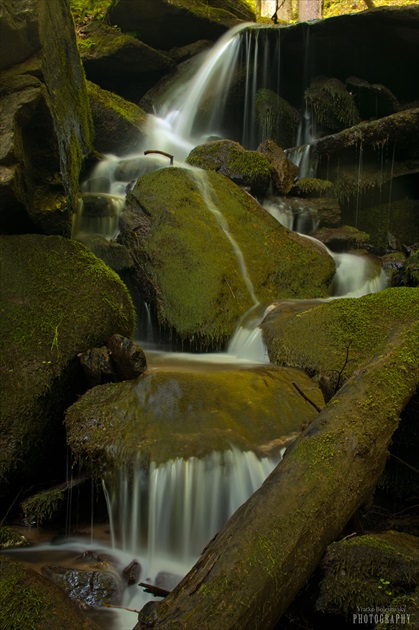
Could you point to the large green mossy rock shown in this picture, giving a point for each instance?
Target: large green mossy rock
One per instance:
(178, 224)
(375, 573)
(335, 338)
(57, 300)
(119, 124)
(166, 414)
(249, 169)
(28, 600)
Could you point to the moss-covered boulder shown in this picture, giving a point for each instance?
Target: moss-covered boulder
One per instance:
(369, 574)
(276, 119)
(250, 169)
(342, 238)
(284, 172)
(166, 414)
(28, 600)
(334, 339)
(165, 24)
(332, 106)
(179, 225)
(118, 124)
(46, 126)
(120, 62)
(57, 299)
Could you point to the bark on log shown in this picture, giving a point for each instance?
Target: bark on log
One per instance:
(249, 574)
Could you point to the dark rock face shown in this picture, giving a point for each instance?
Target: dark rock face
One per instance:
(127, 357)
(119, 62)
(18, 32)
(165, 25)
(45, 120)
(118, 124)
(377, 46)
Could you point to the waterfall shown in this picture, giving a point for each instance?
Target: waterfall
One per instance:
(167, 513)
(356, 276)
(198, 110)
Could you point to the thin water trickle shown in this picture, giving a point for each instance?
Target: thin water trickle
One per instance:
(209, 196)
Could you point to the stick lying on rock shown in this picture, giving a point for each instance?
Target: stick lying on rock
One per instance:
(160, 153)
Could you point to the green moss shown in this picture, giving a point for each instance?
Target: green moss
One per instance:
(211, 10)
(312, 187)
(332, 105)
(201, 409)
(10, 539)
(67, 97)
(125, 109)
(318, 455)
(181, 248)
(246, 168)
(317, 338)
(27, 600)
(370, 570)
(399, 218)
(58, 299)
(42, 507)
(31, 607)
(276, 119)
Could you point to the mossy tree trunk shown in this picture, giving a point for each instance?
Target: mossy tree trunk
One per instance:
(249, 574)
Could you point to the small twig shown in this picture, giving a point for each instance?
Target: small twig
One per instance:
(404, 463)
(348, 536)
(154, 590)
(228, 284)
(345, 363)
(12, 504)
(300, 391)
(121, 607)
(160, 153)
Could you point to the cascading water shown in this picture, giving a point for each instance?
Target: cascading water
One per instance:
(165, 514)
(168, 513)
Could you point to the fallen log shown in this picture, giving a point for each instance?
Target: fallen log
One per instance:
(249, 574)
